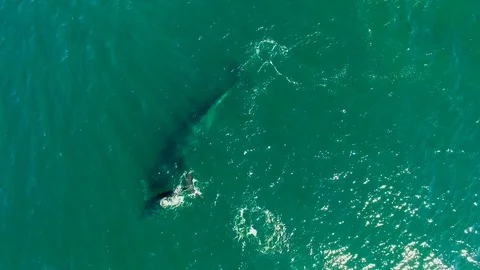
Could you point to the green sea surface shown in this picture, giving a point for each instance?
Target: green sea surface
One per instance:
(352, 141)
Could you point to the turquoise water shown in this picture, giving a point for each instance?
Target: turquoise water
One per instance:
(352, 142)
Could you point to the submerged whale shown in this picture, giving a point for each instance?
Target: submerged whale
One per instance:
(171, 159)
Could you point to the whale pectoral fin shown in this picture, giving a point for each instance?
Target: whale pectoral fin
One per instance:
(189, 179)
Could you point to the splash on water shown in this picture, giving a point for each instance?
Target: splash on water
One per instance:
(179, 196)
(261, 230)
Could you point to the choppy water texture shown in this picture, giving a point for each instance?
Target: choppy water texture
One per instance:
(352, 144)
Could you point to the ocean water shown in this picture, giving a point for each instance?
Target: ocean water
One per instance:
(351, 143)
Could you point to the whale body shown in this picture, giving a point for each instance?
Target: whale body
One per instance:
(171, 159)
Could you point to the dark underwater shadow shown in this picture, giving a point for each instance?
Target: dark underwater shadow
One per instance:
(171, 163)
(152, 206)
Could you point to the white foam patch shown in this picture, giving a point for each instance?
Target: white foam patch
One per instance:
(178, 199)
(264, 55)
(196, 190)
(261, 230)
(263, 61)
(172, 202)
